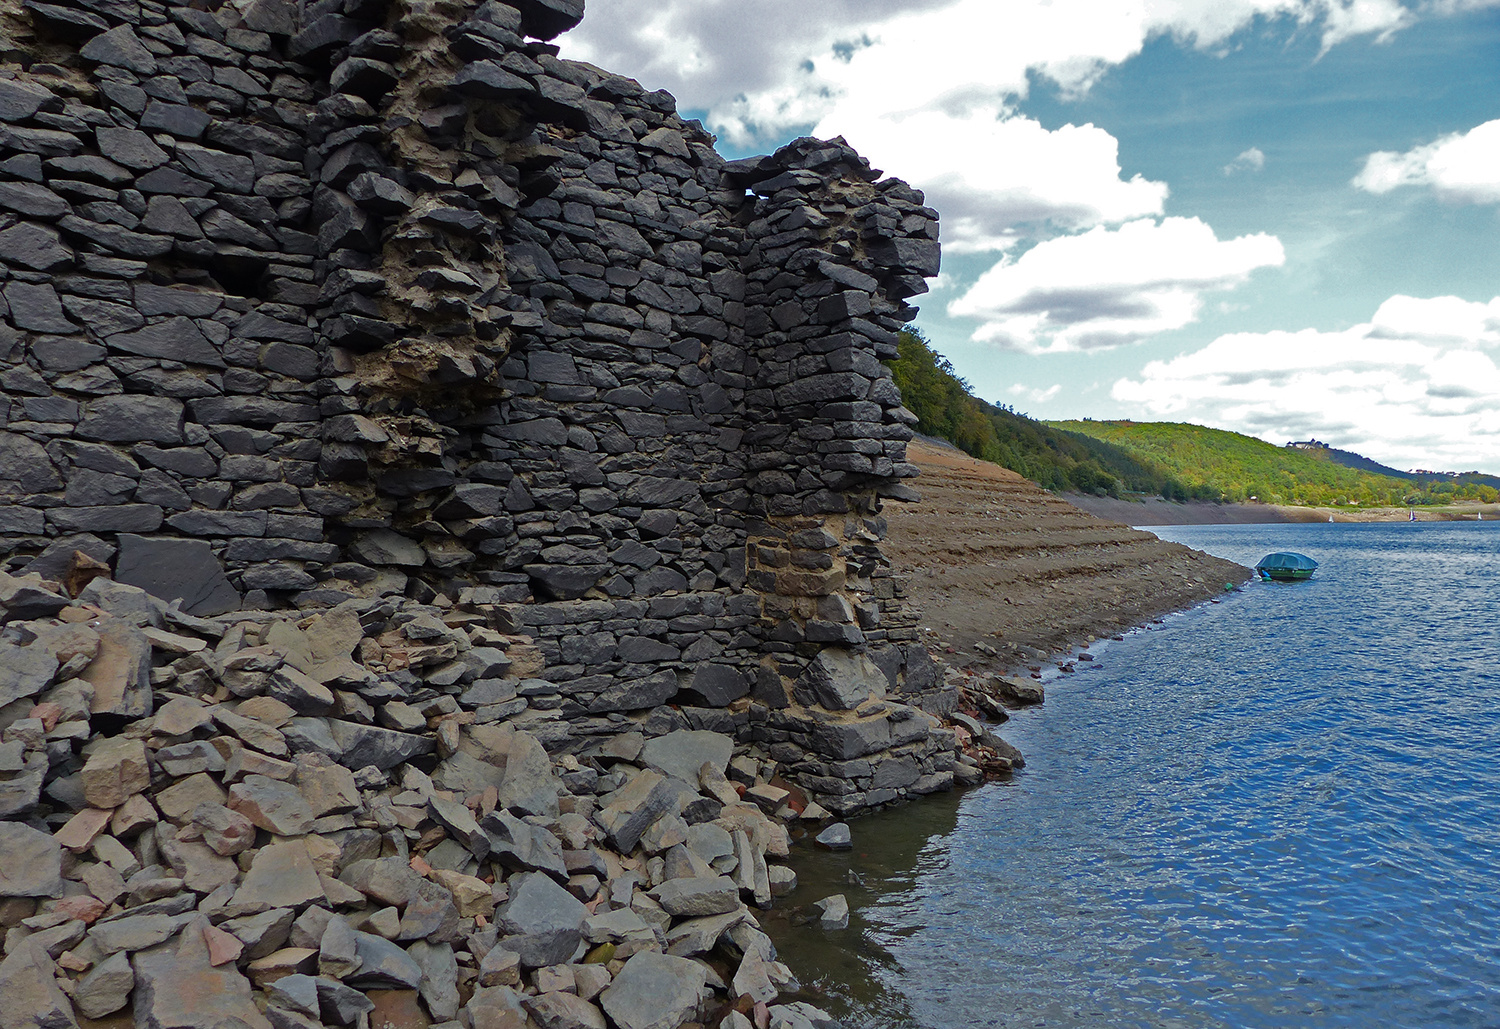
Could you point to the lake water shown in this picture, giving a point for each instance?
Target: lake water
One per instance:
(1279, 810)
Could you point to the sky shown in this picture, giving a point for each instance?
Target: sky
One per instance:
(1272, 216)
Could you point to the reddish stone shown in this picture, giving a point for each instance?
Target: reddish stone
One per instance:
(84, 908)
(223, 948)
(82, 829)
(397, 1009)
(48, 712)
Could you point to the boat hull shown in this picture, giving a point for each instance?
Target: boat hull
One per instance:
(1285, 574)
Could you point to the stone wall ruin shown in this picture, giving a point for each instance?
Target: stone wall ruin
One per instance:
(355, 298)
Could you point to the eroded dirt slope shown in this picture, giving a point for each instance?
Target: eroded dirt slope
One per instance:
(989, 558)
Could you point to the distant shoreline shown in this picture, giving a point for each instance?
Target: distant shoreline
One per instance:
(1157, 511)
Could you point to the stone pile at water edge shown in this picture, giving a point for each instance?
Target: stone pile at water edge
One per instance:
(295, 821)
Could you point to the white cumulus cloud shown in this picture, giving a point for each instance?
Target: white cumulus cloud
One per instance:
(926, 88)
(1461, 168)
(1252, 160)
(997, 179)
(1109, 286)
(1416, 384)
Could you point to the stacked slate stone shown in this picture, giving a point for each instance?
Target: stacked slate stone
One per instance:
(159, 271)
(381, 299)
(292, 822)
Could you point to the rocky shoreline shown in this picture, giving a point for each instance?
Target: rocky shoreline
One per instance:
(1155, 511)
(333, 820)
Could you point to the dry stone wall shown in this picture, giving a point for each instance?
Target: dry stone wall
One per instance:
(305, 303)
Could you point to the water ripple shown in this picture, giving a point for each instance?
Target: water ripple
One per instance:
(1283, 810)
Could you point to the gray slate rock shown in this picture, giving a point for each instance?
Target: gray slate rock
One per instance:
(24, 671)
(836, 837)
(32, 998)
(682, 753)
(176, 339)
(521, 846)
(106, 989)
(547, 19)
(297, 993)
(383, 965)
(340, 1004)
(33, 861)
(537, 904)
(177, 987)
(34, 246)
(35, 306)
(558, 1010)
(529, 786)
(133, 932)
(840, 680)
(697, 898)
(654, 991)
(177, 569)
(439, 978)
(541, 950)
(629, 811)
(835, 912)
(361, 745)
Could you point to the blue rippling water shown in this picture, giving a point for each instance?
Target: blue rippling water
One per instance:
(1280, 810)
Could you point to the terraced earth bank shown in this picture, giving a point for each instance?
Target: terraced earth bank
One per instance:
(992, 560)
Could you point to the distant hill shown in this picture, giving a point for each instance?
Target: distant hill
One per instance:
(1349, 459)
(1214, 464)
(1176, 461)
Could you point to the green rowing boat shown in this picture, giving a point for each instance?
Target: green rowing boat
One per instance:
(1286, 567)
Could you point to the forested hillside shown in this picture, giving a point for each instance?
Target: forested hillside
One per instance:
(1172, 460)
(1214, 464)
(1055, 460)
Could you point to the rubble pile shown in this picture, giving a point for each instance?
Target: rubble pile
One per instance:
(336, 820)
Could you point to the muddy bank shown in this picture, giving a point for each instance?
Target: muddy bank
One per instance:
(1164, 512)
(991, 560)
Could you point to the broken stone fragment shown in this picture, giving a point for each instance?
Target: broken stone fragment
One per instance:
(32, 865)
(629, 811)
(274, 806)
(496, 1007)
(181, 716)
(176, 569)
(115, 771)
(120, 673)
(654, 991)
(24, 671)
(383, 965)
(106, 989)
(557, 1010)
(520, 846)
(32, 998)
(280, 876)
(79, 833)
(225, 831)
(439, 978)
(836, 837)
(683, 753)
(178, 801)
(834, 912)
(695, 898)
(178, 987)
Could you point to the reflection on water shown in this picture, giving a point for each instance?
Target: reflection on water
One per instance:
(852, 973)
(1282, 810)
